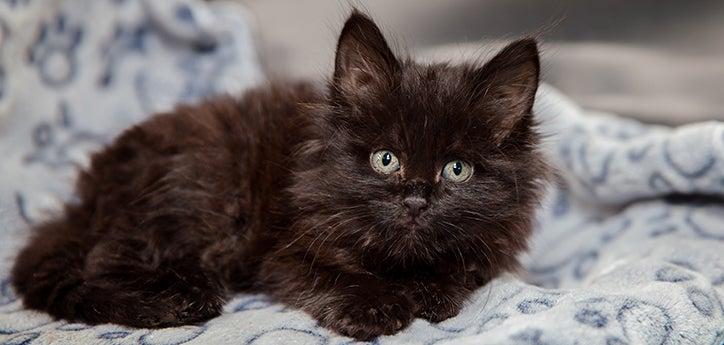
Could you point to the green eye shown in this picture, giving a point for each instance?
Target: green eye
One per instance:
(457, 171)
(384, 162)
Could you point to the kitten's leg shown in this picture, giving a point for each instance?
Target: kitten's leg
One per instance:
(119, 281)
(441, 298)
(130, 282)
(357, 305)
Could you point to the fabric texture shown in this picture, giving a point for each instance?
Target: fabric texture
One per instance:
(628, 247)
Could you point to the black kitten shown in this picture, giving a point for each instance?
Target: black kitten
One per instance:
(391, 195)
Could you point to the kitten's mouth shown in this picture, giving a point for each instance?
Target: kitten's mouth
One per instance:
(411, 223)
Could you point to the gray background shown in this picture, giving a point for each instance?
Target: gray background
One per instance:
(660, 61)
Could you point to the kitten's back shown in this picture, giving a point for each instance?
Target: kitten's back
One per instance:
(176, 198)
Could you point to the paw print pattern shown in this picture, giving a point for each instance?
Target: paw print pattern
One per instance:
(54, 51)
(125, 40)
(58, 144)
(22, 205)
(7, 295)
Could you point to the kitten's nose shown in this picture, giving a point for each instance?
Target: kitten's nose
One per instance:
(415, 204)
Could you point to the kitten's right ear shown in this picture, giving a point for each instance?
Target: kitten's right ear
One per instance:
(363, 57)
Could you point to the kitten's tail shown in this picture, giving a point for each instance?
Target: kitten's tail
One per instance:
(48, 271)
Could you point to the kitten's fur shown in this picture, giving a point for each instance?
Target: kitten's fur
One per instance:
(274, 193)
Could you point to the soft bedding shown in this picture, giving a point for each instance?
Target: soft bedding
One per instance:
(629, 246)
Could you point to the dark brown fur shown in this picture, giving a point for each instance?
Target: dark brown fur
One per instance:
(274, 193)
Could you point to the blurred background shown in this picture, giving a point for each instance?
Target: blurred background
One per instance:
(660, 61)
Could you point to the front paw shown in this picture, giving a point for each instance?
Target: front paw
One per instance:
(365, 318)
(439, 302)
(439, 313)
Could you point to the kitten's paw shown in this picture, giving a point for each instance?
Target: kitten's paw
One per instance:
(196, 308)
(166, 309)
(372, 316)
(439, 302)
(439, 314)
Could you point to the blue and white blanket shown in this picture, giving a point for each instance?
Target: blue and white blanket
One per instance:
(630, 242)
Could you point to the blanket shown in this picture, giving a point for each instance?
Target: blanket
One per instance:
(628, 247)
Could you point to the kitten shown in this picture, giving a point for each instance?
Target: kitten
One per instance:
(391, 195)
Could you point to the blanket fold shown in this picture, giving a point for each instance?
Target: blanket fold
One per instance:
(615, 161)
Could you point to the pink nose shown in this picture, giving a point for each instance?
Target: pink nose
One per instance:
(415, 204)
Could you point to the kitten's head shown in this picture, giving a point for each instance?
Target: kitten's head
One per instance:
(420, 163)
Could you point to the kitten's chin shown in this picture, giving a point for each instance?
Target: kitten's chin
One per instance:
(411, 243)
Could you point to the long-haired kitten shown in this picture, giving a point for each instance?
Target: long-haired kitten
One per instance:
(391, 194)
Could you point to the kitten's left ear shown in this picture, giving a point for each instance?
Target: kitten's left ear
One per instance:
(363, 57)
(507, 85)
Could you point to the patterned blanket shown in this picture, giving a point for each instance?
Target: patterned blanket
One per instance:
(629, 245)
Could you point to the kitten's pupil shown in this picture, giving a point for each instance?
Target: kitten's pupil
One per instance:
(457, 168)
(386, 159)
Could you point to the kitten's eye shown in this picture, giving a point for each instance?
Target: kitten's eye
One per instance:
(384, 162)
(457, 171)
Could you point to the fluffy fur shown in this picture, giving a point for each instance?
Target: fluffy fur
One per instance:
(274, 193)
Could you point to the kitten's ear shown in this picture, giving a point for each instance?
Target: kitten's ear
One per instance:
(507, 85)
(363, 56)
